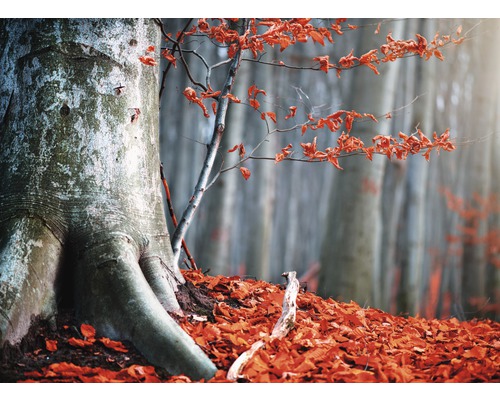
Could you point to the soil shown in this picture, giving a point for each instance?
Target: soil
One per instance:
(32, 355)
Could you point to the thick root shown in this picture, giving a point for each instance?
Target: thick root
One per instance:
(116, 298)
(29, 261)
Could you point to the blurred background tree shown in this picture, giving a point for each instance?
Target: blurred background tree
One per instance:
(379, 232)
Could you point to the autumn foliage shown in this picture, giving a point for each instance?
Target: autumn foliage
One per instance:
(471, 214)
(260, 34)
(330, 342)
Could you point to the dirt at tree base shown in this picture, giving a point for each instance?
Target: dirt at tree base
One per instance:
(330, 342)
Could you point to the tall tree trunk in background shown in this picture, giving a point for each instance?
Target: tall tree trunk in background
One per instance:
(215, 236)
(478, 164)
(258, 259)
(184, 129)
(80, 194)
(351, 244)
(493, 273)
(413, 252)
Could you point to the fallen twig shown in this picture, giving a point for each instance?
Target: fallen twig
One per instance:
(285, 323)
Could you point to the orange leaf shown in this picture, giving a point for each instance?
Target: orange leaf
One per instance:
(475, 352)
(324, 63)
(169, 57)
(114, 345)
(232, 97)
(291, 114)
(80, 342)
(190, 94)
(51, 345)
(88, 331)
(270, 115)
(317, 37)
(245, 172)
(239, 147)
(148, 60)
(254, 103)
(253, 91)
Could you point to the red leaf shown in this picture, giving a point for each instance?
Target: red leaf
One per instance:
(324, 63)
(269, 114)
(291, 114)
(245, 172)
(114, 345)
(148, 60)
(51, 345)
(232, 97)
(88, 331)
(80, 342)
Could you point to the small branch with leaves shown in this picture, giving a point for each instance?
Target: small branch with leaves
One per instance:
(220, 120)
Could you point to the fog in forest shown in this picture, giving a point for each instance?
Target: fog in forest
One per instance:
(408, 236)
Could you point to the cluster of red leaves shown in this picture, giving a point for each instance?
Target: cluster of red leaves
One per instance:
(330, 342)
(245, 172)
(277, 32)
(472, 213)
(70, 372)
(382, 144)
(147, 59)
(283, 33)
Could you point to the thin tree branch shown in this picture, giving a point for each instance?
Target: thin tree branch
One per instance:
(174, 219)
(176, 47)
(213, 147)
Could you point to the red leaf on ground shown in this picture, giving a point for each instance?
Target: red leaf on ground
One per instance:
(51, 345)
(114, 345)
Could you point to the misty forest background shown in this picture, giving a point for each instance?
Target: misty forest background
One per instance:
(411, 237)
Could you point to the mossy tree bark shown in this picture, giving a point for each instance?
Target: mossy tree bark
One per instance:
(80, 187)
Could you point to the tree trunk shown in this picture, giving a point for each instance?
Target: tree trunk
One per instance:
(81, 195)
(413, 253)
(217, 232)
(262, 192)
(478, 171)
(350, 248)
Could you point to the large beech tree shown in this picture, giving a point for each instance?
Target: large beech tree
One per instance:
(80, 186)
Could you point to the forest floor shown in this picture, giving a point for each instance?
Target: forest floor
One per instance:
(330, 342)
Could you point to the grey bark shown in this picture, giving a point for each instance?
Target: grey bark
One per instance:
(212, 150)
(350, 258)
(262, 192)
(79, 168)
(412, 264)
(218, 228)
(478, 171)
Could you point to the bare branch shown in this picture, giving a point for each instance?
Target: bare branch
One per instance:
(176, 47)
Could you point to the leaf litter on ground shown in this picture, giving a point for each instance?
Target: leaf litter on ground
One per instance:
(330, 342)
